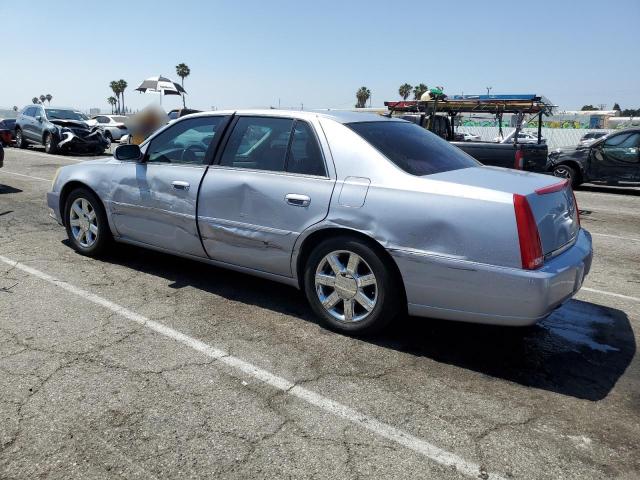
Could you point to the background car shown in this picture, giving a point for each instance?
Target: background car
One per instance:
(113, 126)
(591, 137)
(613, 158)
(469, 137)
(58, 129)
(180, 112)
(7, 127)
(523, 137)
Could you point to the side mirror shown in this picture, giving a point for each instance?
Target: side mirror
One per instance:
(129, 152)
(39, 118)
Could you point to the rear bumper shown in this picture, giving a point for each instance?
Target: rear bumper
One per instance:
(452, 289)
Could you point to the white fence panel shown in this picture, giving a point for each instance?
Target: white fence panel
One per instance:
(556, 137)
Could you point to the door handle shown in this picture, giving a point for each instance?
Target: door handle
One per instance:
(180, 185)
(297, 200)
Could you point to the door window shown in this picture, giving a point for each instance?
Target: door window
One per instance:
(623, 147)
(102, 119)
(304, 155)
(186, 142)
(258, 143)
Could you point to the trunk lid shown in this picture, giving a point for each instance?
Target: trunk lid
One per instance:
(554, 209)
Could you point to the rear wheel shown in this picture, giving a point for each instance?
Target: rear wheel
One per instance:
(86, 223)
(350, 287)
(20, 141)
(50, 143)
(567, 171)
(109, 138)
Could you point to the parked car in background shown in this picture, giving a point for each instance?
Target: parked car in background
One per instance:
(612, 158)
(591, 137)
(113, 126)
(7, 127)
(59, 130)
(180, 112)
(470, 137)
(1, 155)
(370, 216)
(523, 137)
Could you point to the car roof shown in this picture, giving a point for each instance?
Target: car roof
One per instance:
(337, 115)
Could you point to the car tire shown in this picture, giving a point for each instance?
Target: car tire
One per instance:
(567, 171)
(350, 287)
(20, 141)
(109, 138)
(86, 223)
(50, 144)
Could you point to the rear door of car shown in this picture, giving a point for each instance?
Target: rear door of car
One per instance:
(617, 158)
(27, 123)
(270, 183)
(154, 201)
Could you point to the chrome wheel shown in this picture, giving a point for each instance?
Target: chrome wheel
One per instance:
(19, 139)
(346, 286)
(83, 222)
(48, 143)
(563, 172)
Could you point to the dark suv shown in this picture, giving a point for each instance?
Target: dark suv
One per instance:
(59, 130)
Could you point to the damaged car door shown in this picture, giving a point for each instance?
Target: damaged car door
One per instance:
(268, 184)
(153, 200)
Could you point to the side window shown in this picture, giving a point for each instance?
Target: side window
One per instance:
(623, 147)
(305, 155)
(102, 119)
(185, 142)
(30, 112)
(258, 143)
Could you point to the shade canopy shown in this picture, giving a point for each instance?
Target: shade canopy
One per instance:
(162, 85)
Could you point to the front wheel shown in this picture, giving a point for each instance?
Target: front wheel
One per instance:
(50, 144)
(568, 172)
(350, 288)
(86, 223)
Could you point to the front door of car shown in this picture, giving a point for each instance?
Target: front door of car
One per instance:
(28, 124)
(617, 158)
(269, 184)
(153, 201)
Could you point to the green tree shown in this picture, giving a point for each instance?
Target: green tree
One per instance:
(405, 90)
(35, 100)
(122, 86)
(617, 107)
(362, 95)
(183, 71)
(42, 99)
(588, 107)
(112, 101)
(49, 97)
(418, 90)
(15, 108)
(115, 88)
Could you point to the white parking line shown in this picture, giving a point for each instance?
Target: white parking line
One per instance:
(23, 175)
(49, 156)
(614, 236)
(379, 428)
(611, 294)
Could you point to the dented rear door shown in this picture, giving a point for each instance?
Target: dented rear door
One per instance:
(263, 192)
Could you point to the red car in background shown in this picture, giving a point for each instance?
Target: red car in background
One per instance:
(7, 129)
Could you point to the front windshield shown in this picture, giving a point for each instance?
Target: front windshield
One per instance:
(56, 114)
(412, 148)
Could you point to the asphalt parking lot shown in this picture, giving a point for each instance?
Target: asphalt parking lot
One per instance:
(141, 365)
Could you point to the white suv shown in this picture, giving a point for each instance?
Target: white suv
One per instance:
(114, 126)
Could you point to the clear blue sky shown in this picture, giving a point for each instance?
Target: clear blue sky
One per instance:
(252, 53)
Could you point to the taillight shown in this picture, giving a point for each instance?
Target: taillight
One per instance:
(518, 164)
(530, 246)
(575, 205)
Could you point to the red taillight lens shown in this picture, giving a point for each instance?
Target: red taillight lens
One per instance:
(530, 246)
(518, 164)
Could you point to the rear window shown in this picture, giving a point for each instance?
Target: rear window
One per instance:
(412, 148)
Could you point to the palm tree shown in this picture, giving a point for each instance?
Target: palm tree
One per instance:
(183, 71)
(35, 100)
(15, 108)
(419, 90)
(115, 88)
(112, 101)
(42, 99)
(122, 86)
(405, 90)
(49, 97)
(362, 95)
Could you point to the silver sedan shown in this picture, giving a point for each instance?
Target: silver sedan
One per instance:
(369, 216)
